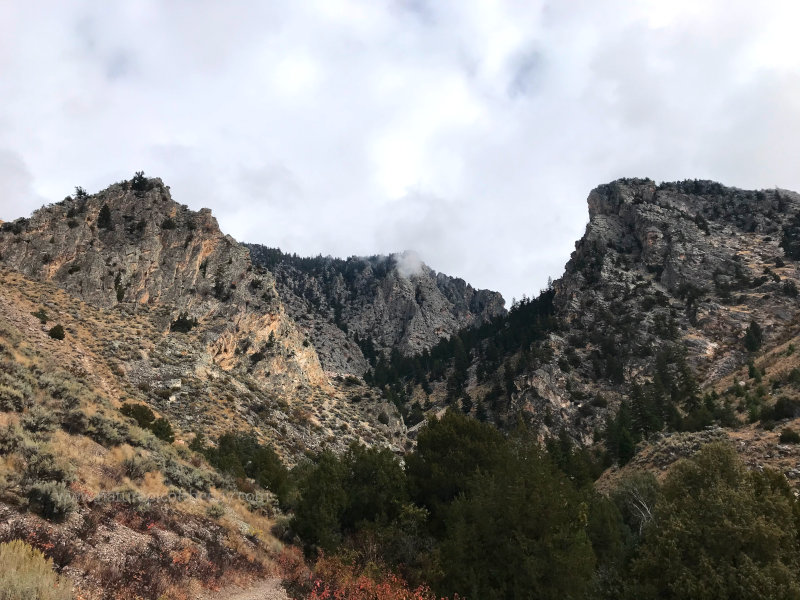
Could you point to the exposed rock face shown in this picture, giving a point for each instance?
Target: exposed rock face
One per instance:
(688, 264)
(133, 247)
(348, 308)
(191, 327)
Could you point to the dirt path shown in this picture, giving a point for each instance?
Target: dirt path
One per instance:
(268, 589)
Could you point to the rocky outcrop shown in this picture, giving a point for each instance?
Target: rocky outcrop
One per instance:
(355, 309)
(687, 265)
(132, 247)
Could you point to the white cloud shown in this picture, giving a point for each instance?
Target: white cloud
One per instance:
(468, 131)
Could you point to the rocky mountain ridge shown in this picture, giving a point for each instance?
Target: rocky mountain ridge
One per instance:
(357, 309)
(213, 345)
(685, 265)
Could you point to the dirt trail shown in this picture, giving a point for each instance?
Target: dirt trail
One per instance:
(268, 589)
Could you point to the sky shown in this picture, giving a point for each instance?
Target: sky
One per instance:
(468, 131)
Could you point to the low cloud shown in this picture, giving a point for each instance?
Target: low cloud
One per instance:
(409, 263)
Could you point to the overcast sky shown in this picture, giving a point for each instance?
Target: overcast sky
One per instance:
(471, 132)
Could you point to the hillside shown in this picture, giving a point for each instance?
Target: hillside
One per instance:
(359, 309)
(185, 321)
(653, 309)
(179, 411)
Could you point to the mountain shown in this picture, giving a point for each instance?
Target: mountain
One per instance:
(665, 275)
(198, 332)
(358, 309)
(158, 379)
(654, 310)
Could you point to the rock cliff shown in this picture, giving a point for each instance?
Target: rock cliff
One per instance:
(356, 309)
(210, 342)
(686, 266)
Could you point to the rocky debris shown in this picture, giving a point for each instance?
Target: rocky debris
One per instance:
(351, 309)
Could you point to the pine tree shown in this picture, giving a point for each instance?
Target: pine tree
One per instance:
(104, 218)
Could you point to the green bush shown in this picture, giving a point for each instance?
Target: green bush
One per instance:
(215, 511)
(189, 478)
(789, 436)
(41, 464)
(12, 399)
(136, 466)
(25, 574)
(105, 431)
(39, 419)
(57, 332)
(241, 455)
(140, 413)
(753, 337)
(163, 430)
(52, 500)
(720, 531)
(183, 324)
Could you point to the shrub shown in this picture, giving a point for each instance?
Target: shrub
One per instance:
(52, 500)
(57, 332)
(136, 466)
(713, 516)
(168, 223)
(25, 574)
(163, 430)
(753, 337)
(41, 315)
(215, 511)
(785, 408)
(39, 419)
(789, 289)
(188, 478)
(334, 578)
(789, 436)
(74, 421)
(183, 324)
(41, 465)
(12, 399)
(241, 455)
(105, 431)
(140, 413)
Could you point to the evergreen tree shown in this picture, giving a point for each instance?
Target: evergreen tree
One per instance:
(449, 452)
(720, 531)
(104, 218)
(753, 337)
(519, 531)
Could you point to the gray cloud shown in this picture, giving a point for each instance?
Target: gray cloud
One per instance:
(470, 132)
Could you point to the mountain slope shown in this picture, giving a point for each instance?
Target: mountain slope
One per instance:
(678, 267)
(197, 331)
(655, 307)
(357, 309)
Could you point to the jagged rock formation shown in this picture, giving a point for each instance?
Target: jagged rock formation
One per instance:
(356, 308)
(215, 345)
(686, 264)
(134, 247)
